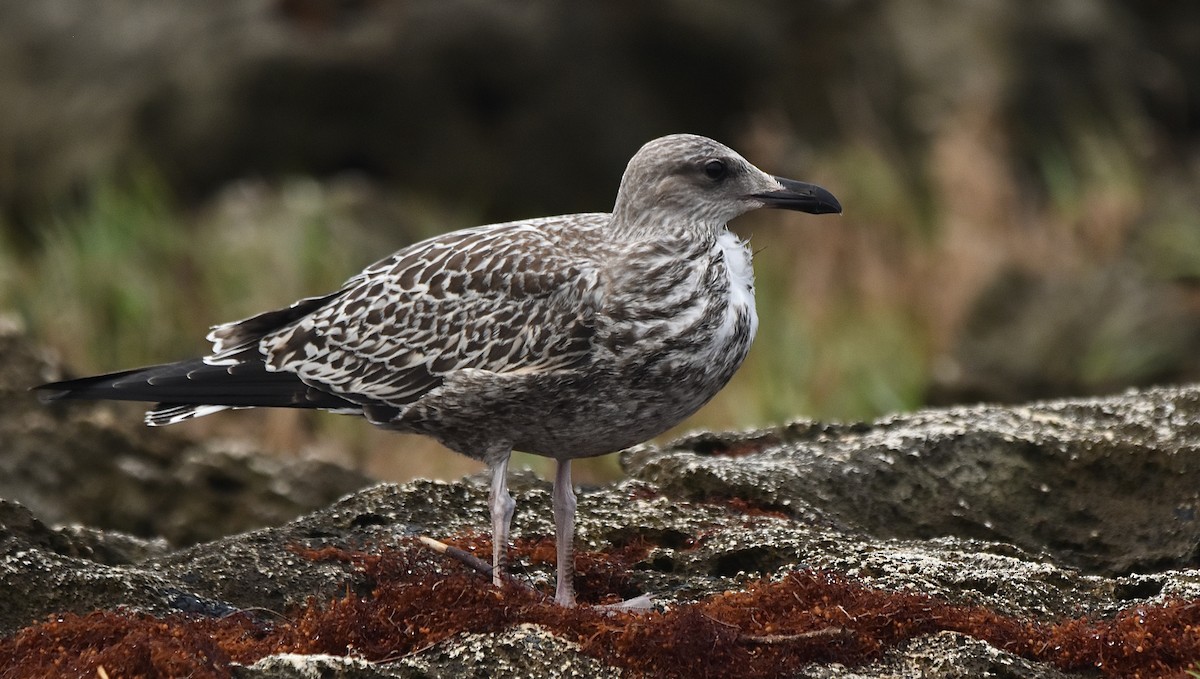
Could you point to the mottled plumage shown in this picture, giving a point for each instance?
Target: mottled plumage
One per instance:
(562, 336)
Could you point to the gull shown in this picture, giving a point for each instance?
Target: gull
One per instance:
(566, 337)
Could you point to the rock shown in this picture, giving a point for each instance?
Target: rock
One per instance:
(941, 656)
(110, 548)
(1076, 511)
(945, 655)
(526, 651)
(1107, 485)
(45, 571)
(298, 666)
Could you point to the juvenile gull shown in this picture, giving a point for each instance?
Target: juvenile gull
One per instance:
(566, 337)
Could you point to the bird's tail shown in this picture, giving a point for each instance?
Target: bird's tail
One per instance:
(193, 388)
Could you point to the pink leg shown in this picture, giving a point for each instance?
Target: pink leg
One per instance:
(564, 534)
(501, 504)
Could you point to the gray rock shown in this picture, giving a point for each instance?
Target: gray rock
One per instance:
(1106, 485)
(525, 651)
(946, 655)
(702, 549)
(1044, 511)
(298, 666)
(44, 571)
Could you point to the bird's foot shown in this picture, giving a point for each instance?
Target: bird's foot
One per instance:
(638, 604)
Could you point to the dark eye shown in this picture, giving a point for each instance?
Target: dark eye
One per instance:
(715, 170)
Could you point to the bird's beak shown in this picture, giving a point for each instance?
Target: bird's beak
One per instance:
(800, 196)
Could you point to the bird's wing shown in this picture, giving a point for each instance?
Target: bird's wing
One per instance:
(502, 298)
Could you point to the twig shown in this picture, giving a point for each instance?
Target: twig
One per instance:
(461, 554)
(800, 636)
(474, 563)
(719, 622)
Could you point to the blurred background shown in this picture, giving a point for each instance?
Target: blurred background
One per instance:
(1021, 180)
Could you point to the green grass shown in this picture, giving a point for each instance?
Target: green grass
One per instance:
(840, 358)
(130, 279)
(100, 277)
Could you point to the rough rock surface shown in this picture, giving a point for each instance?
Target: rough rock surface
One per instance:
(469, 656)
(945, 655)
(1048, 510)
(1107, 485)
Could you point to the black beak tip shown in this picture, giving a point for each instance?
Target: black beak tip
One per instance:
(827, 203)
(802, 197)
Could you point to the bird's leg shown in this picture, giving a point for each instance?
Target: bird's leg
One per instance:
(564, 534)
(501, 504)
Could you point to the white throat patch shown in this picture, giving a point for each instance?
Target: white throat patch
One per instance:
(741, 281)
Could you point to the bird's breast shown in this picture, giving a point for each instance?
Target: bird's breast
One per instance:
(688, 322)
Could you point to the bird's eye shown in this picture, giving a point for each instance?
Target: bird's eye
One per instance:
(715, 170)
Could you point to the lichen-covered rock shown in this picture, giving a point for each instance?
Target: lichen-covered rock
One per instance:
(946, 655)
(1039, 513)
(315, 666)
(695, 550)
(1106, 485)
(525, 651)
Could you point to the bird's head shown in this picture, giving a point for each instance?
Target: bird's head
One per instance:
(688, 181)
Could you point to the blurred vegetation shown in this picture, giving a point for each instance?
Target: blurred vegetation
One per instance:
(1019, 179)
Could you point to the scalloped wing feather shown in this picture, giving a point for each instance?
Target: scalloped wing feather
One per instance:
(502, 298)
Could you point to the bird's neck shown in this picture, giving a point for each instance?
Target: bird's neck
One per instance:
(661, 224)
